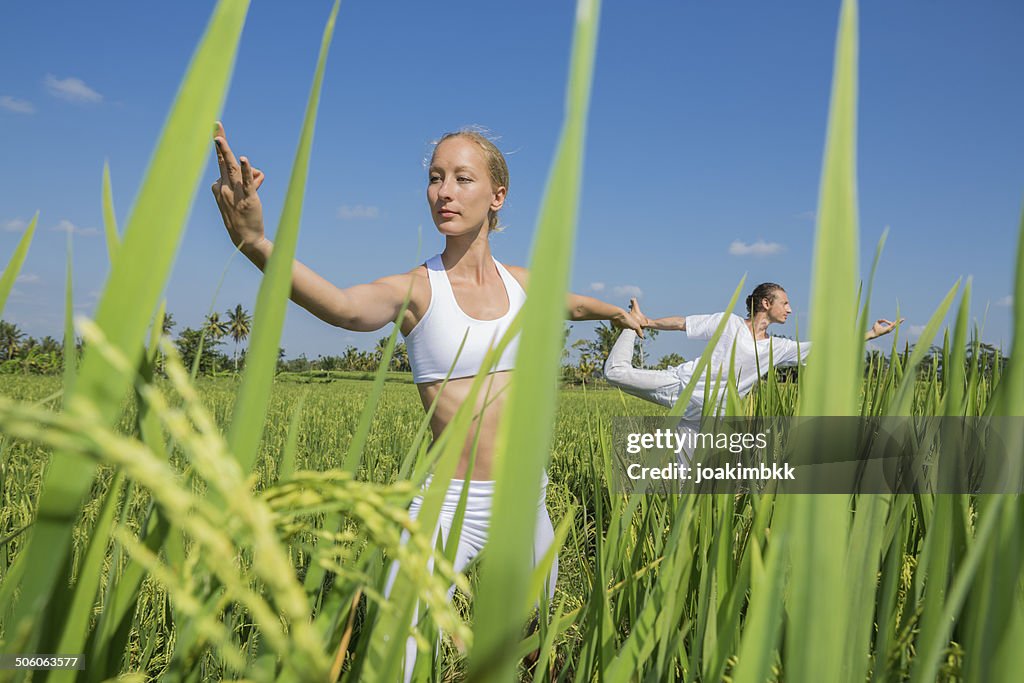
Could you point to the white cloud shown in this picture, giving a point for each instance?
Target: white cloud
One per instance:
(623, 291)
(14, 104)
(67, 226)
(15, 225)
(915, 330)
(358, 212)
(807, 215)
(596, 286)
(1006, 301)
(72, 89)
(27, 279)
(758, 248)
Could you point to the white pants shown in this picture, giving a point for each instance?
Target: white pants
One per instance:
(657, 386)
(475, 524)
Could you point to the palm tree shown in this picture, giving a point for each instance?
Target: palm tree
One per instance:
(378, 351)
(169, 323)
(10, 340)
(239, 327)
(214, 328)
(400, 358)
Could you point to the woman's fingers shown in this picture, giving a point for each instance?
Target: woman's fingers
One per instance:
(222, 163)
(247, 181)
(257, 178)
(229, 169)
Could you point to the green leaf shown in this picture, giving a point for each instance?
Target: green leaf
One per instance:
(17, 260)
(832, 381)
(522, 454)
(272, 300)
(109, 217)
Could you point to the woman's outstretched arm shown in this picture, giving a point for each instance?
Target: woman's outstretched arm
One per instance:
(580, 307)
(672, 322)
(362, 308)
(588, 308)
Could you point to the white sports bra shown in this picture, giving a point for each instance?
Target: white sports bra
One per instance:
(435, 340)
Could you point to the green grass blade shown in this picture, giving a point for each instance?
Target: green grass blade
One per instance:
(955, 364)
(272, 300)
(70, 352)
(930, 650)
(523, 453)
(901, 403)
(934, 561)
(764, 614)
(832, 383)
(79, 615)
(109, 217)
(17, 260)
(132, 291)
(815, 642)
(286, 466)
(865, 321)
(1010, 399)
(864, 556)
(832, 380)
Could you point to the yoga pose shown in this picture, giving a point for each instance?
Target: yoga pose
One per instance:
(766, 305)
(463, 292)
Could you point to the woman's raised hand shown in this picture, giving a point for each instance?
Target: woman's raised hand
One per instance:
(235, 192)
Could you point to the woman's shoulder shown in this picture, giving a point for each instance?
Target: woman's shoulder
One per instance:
(522, 275)
(414, 283)
(414, 277)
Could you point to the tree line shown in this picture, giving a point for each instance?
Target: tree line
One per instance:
(20, 353)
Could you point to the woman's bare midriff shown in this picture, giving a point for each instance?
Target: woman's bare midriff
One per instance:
(487, 415)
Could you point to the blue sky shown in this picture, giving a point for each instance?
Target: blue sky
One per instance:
(703, 153)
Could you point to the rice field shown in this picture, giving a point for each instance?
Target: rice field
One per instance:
(177, 528)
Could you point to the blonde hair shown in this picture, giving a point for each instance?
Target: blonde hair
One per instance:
(497, 168)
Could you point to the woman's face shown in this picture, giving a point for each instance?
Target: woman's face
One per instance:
(459, 188)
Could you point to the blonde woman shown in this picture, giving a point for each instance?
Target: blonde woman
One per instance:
(461, 292)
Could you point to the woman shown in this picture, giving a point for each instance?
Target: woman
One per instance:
(463, 292)
(767, 304)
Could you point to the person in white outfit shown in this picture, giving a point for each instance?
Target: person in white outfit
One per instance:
(755, 351)
(463, 292)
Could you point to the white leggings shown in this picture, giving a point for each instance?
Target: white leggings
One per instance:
(475, 524)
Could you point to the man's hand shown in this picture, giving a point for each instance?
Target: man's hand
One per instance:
(883, 327)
